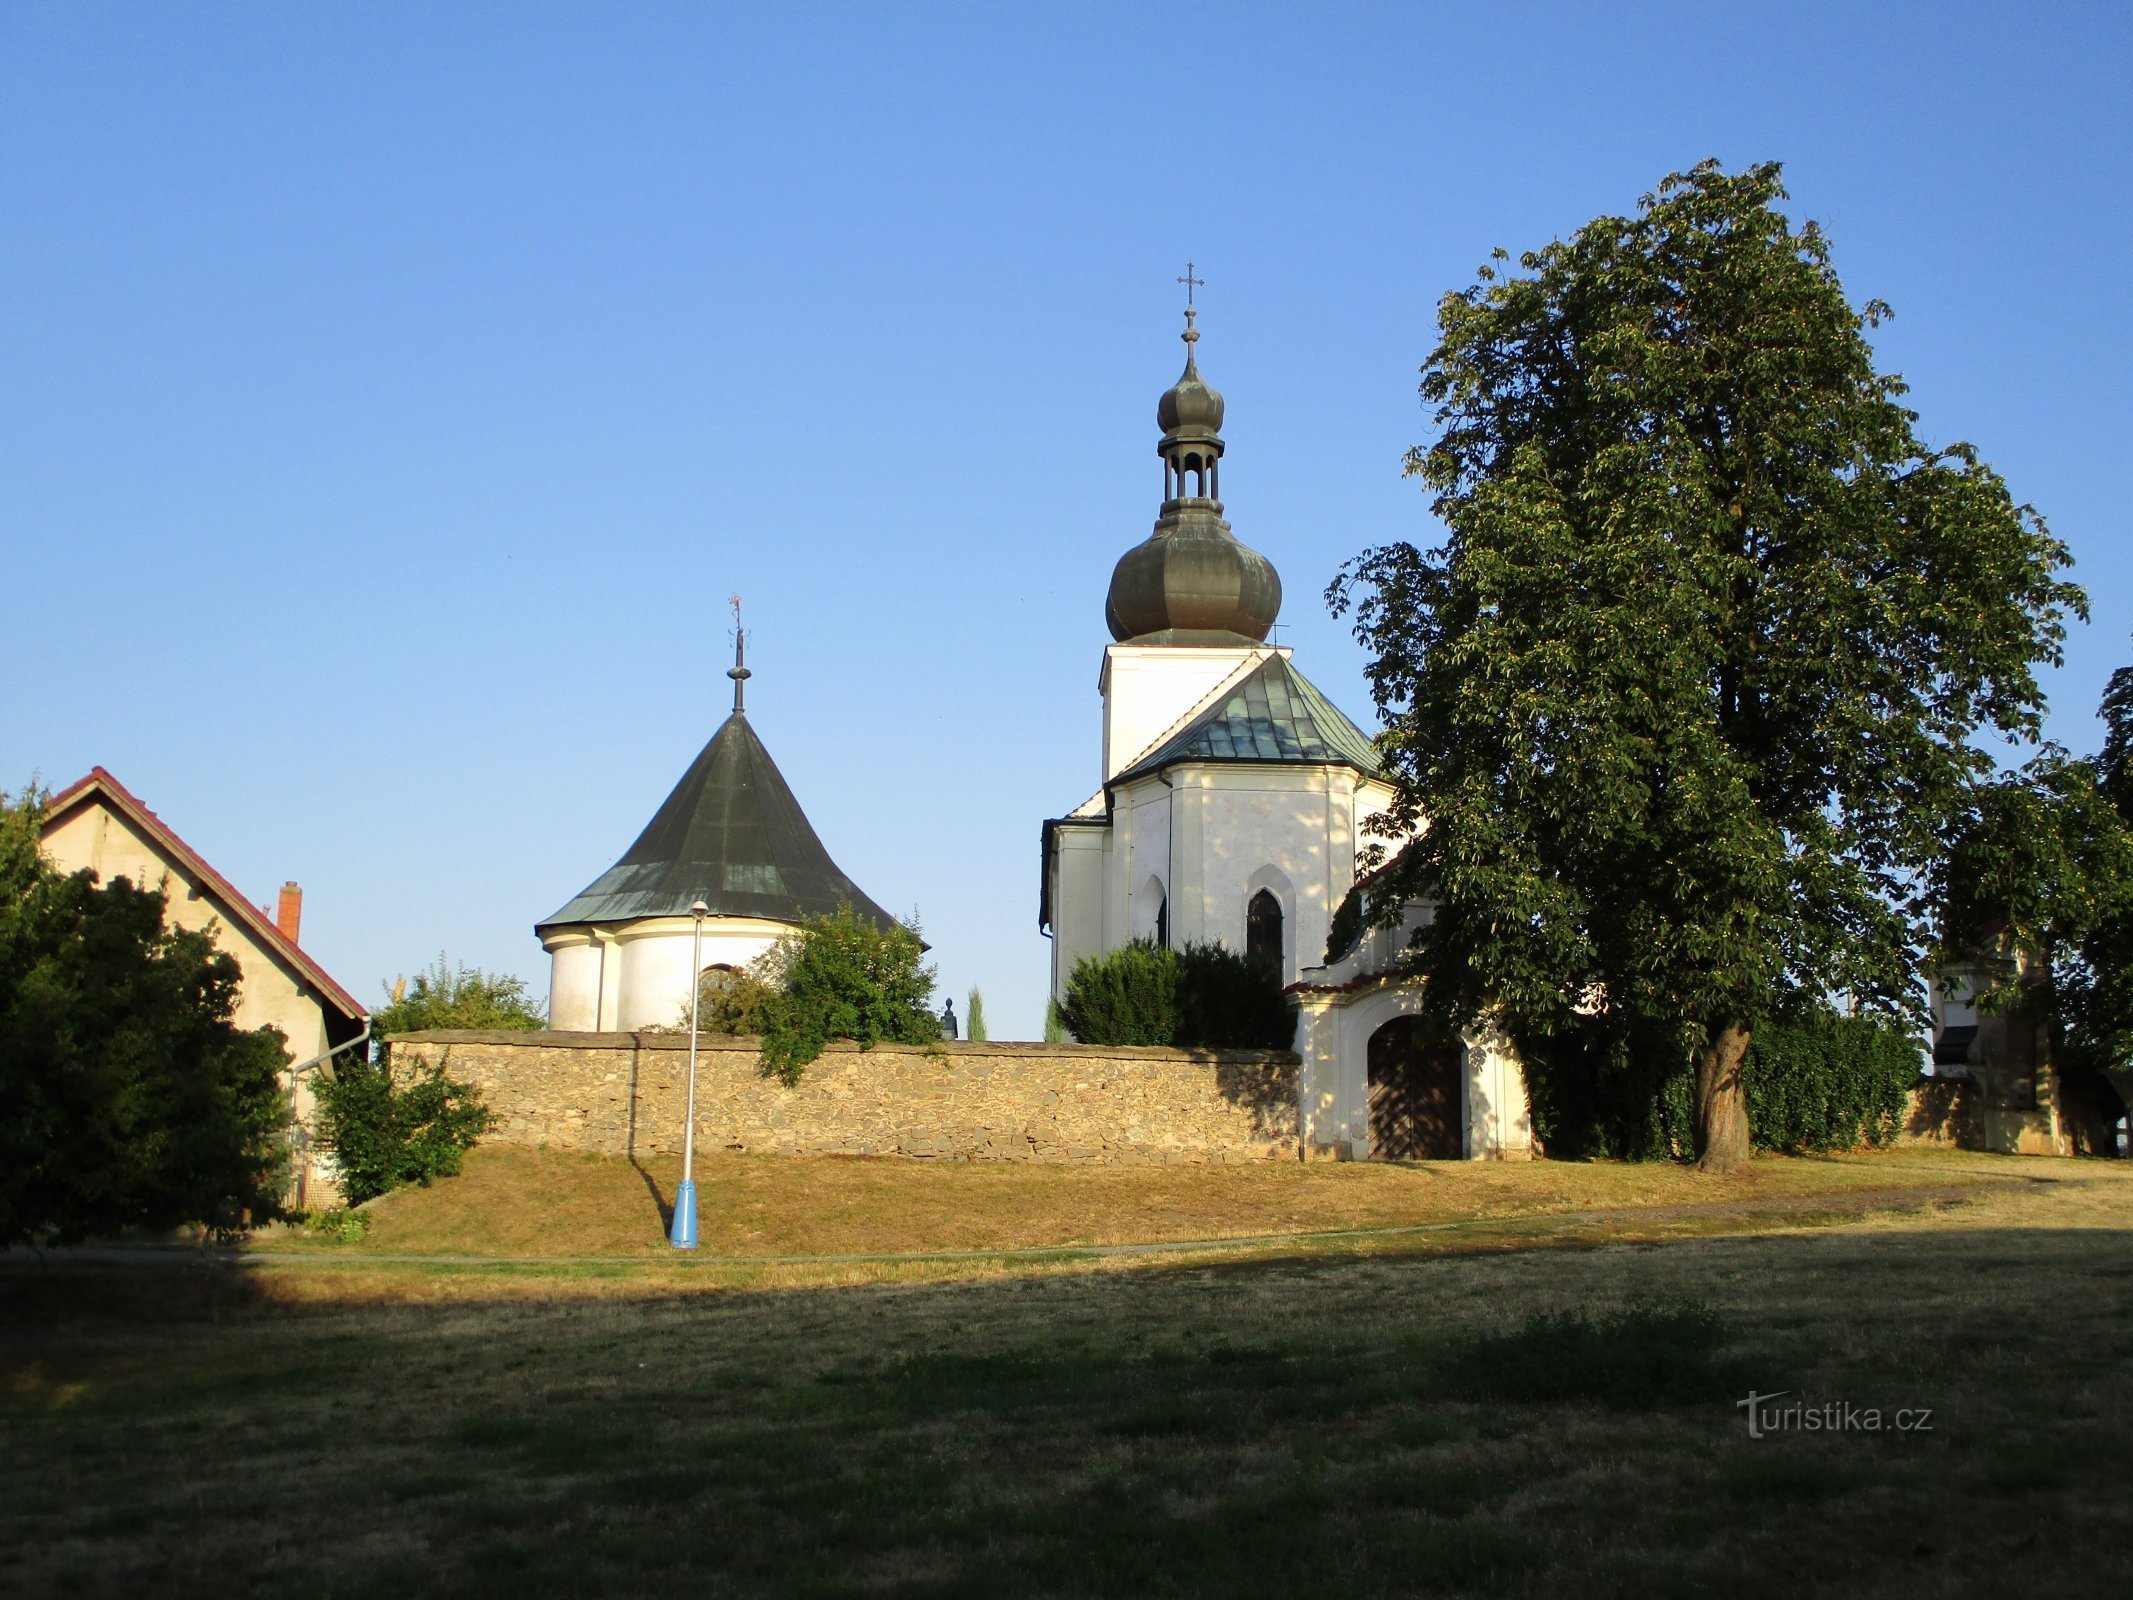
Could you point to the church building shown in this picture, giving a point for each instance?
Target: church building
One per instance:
(730, 837)
(1235, 798)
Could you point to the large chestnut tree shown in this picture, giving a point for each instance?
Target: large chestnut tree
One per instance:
(1692, 697)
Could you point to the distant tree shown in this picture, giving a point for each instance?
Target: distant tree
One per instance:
(1690, 697)
(844, 977)
(2041, 875)
(448, 996)
(129, 1098)
(974, 1024)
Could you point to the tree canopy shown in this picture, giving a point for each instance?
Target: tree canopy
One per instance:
(129, 1098)
(1689, 697)
(448, 996)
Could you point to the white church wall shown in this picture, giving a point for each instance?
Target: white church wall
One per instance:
(1148, 688)
(1333, 1035)
(573, 982)
(1077, 898)
(636, 974)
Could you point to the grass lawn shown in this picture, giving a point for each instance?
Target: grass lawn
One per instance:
(1539, 1390)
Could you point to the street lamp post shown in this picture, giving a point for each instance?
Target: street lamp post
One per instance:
(683, 1236)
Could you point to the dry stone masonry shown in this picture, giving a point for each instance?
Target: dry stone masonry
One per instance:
(624, 1094)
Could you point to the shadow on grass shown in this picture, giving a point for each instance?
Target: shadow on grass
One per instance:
(1170, 1429)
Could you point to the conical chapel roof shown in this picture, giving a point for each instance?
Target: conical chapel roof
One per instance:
(732, 835)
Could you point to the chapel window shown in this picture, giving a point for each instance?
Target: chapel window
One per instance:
(1262, 931)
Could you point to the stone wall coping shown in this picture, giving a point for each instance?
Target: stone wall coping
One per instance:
(728, 1044)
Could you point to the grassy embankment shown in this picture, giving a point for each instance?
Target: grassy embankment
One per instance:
(1378, 1411)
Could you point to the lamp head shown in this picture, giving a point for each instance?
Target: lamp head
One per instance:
(699, 910)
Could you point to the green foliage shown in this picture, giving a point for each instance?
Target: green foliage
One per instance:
(1055, 1030)
(1226, 1001)
(1204, 996)
(732, 1001)
(456, 997)
(339, 1224)
(842, 977)
(1638, 1357)
(1125, 996)
(384, 1134)
(1345, 931)
(974, 1024)
(1691, 694)
(1599, 1089)
(129, 1098)
(1821, 1081)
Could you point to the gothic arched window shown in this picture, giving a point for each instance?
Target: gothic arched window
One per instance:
(1262, 931)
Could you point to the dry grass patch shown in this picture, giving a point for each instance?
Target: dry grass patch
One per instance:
(1234, 1426)
(520, 1202)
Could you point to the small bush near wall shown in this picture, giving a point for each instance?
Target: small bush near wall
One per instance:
(841, 977)
(1820, 1081)
(1205, 996)
(384, 1134)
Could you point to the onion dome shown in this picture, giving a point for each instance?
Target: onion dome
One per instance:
(1191, 582)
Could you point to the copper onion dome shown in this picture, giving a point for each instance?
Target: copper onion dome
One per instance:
(1190, 582)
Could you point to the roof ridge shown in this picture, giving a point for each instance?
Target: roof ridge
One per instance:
(1329, 727)
(255, 921)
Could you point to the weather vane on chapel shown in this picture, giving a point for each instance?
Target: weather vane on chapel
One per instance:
(738, 672)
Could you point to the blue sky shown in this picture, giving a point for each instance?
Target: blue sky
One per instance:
(394, 393)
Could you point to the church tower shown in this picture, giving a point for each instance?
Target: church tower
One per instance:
(1233, 792)
(1234, 800)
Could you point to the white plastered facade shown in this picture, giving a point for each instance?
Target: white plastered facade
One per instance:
(1198, 839)
(1340, 1006)
(628, 975)
(1187, 847)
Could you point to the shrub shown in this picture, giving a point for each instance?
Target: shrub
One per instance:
(1815, 1081)
(1054, 1024)
(732, 1000)
(1599, 1089)
(384, 1135)
(1125, 996)
(1820, 1081)
(1227, 1001)
(844, 977)
(974, 1024)
(1205, 996)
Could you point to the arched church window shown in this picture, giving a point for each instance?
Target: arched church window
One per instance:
(1162, 923)
(1262, 931)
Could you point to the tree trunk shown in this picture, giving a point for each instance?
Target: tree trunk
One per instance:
(1722, 1101)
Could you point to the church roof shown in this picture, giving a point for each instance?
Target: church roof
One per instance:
(732, 835)
(1273, 714)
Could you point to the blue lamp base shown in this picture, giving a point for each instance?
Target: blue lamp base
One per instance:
(682, 1236)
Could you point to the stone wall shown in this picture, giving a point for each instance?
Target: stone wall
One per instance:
(624, 1094)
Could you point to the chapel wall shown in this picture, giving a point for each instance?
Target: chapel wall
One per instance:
(625, 1093)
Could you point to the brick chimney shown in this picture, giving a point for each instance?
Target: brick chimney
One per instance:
(290, 911)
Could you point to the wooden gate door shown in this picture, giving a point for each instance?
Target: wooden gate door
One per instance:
(1414, 1094)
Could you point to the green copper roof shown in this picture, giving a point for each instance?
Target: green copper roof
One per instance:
(1275, 714)
(732, 835)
